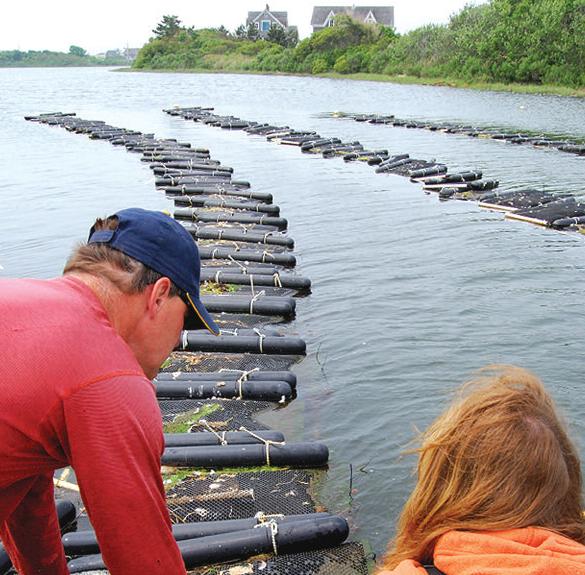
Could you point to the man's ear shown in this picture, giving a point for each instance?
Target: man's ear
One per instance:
(159, 294)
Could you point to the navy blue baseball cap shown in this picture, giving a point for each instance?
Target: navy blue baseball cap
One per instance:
(161, 243)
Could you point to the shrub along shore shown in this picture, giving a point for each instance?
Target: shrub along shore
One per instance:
(514, 45)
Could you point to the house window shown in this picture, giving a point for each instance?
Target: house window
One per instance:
(265, 25)
(257, 25)
(330, 23)
(370, 19)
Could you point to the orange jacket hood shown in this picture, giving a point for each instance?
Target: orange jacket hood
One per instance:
(528, 551)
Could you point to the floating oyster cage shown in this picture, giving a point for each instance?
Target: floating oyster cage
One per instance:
(538, 207)
(222, 463)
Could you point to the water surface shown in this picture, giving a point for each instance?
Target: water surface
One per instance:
(410, 295)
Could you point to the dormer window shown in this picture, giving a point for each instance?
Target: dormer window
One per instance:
(330, 20)
(370, 18)
(265, 25)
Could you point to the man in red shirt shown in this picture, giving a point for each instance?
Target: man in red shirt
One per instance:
(77, 355)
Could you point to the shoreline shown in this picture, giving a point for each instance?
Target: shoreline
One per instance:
(533, 89)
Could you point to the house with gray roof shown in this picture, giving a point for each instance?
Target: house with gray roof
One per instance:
(324, 16)
(266, 19)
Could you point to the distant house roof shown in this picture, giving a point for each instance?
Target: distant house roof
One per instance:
(379, 14)
(282, 17)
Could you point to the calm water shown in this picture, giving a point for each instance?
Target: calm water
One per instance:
(410, 295)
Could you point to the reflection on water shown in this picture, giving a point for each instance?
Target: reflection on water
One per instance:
(410, 295)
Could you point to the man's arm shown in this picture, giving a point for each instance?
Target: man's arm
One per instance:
(115, 441)
(31, 533)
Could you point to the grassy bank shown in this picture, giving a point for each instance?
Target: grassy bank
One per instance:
(394, 79)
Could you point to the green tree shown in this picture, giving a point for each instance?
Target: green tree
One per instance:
(292, 37)
(252, 32)
(277, 35)
(167, 27)
(77, 51)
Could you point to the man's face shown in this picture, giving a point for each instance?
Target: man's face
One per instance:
(159, 329)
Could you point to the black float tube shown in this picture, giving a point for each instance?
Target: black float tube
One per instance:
(237, 235)
(270, 345)
(274, 280)
(243, 255)
(85, 542)
(228, 375)
(211, 202)
(293, 536)
(256, 390)
(264, 305)
(215, 457)
(207, 438)
(227, 190)
(202, 215)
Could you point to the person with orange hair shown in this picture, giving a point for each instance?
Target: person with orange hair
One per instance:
(498, 487)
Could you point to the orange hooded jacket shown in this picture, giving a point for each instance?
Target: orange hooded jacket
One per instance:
(527, 551)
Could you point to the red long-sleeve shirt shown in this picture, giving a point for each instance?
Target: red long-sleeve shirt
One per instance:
(72, 393)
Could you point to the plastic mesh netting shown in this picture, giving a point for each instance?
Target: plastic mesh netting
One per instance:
(347, 559)
(208, 362)
(229, 415)
(218, 496)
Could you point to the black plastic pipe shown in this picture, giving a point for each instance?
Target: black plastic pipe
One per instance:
(270, 345)
(225, 190)
(203, 215)
(264, 305)
(239, 235)
(85, 542)
(275, 391)
(228, 375)
(427, 172)
(255, 269)
(308, 455)
(211, 202)
(274, 280)
(293, 536)
(231, 437)
(215, 253)
(387, 167)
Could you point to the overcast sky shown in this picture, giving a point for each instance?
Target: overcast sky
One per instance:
(100, 25)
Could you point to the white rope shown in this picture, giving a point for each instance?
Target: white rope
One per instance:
(264, 254)
(267, 442)
(228, 332)
(213, 252)
(273, 526)
(220, 436)
(262, 517)
(276, 278)
(184, 340)
(255, 298)
(261, 337)
(216, 278)
(244, 375)
(242, 266)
